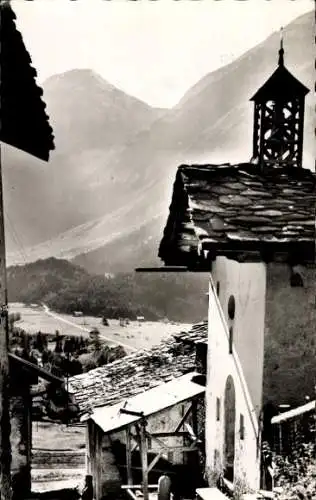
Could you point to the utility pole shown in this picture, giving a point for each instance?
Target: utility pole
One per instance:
(5, 427)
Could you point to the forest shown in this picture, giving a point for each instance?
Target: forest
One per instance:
(66, 287)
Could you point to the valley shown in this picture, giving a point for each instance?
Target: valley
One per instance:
(136, 335)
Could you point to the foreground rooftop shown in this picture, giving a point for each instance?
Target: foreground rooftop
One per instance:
(138, 372)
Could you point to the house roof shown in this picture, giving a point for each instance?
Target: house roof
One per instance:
(281, 85)
(300, 410)
(138, 372)
(149, 402)
(242, 211)
(24, 122)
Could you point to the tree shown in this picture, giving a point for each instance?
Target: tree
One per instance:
(95, 337)
(26, 346)
(68, 346)
(58, 342)
(105, 321)
(40, 342)
(11, 321)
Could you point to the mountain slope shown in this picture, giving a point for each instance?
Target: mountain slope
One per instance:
(94, 114)
(92, 122)
(103, 202)
(66, 288)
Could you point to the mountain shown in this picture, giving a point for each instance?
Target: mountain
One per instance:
(92, 122)
(104, 198)
(90, 101)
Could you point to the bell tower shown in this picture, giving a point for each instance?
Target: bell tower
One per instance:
(279, 118)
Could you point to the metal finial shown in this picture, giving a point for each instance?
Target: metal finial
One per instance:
(281, 51)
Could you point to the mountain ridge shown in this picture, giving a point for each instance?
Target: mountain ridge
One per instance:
(115, 194)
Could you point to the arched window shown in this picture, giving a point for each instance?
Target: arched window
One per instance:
(229, 428)
(296, 280)
(218, 409)
(231, 307)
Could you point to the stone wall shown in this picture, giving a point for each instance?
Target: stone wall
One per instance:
(21, 440)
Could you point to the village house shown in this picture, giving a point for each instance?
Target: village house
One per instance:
(144, 415)
(251, 226)
(292, 428)
(23, 376)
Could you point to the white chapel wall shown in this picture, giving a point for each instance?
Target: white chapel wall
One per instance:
(246, 282)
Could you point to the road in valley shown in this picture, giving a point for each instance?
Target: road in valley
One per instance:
(133, 336)
(85, 329)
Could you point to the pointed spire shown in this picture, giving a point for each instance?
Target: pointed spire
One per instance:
(281, 51)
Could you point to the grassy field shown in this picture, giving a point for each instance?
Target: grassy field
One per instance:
(135, 335)
(58, 456)
(50, 436)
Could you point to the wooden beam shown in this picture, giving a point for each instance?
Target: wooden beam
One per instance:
(170, 434)
(161, 471)
(155, 460)
(131, 494)
(40, 372)
(192, 436)
(129, 456)
(134, 447)
(161, 443)
(167, 448)
(144, 458)
(183, 419)
(137, 486)
(194, 417)
(136, 439)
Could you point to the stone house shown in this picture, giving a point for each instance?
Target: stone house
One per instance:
(251, 226)
(23, 375)
(164, 384)
(292, 428)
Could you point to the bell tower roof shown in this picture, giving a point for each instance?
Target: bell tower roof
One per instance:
(281, 84)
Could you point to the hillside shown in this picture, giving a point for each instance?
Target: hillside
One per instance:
(110, 191)
(66, 288)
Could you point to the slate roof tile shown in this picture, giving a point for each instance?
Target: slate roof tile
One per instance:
(213, 205)
(137, 372)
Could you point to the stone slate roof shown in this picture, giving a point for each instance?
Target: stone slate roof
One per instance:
(138, 372)
(242, 211)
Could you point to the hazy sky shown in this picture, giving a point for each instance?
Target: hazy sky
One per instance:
(154, 50)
